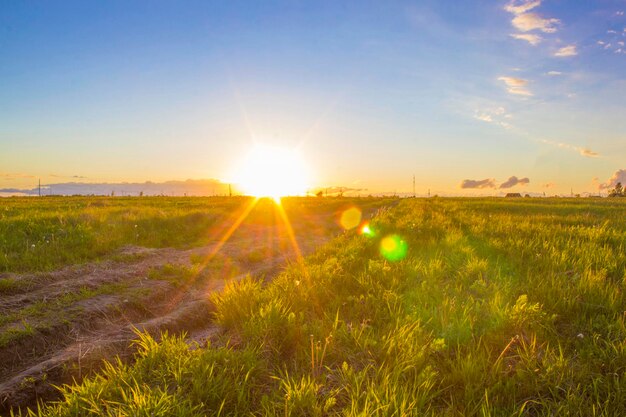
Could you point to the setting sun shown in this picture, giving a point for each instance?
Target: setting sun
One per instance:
(272, 172)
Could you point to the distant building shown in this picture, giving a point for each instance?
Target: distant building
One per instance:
(509, 195)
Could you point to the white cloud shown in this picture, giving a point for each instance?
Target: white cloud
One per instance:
(532, 21)
(566, 51)
(600, 42)
(618, 176)
(554, 73)
(528, 37)
(519, 7)
(516, 86)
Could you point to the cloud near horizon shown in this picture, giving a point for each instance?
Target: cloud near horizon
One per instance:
(618, 176)
(486, 183)
(491, 183)
(513, 181)
(177, 188)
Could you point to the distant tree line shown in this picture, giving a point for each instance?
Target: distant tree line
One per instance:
(618, 191)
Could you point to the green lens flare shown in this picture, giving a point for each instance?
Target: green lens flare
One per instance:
(367, 230)
(393, 248)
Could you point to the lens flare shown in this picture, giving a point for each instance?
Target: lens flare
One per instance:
(367, 230)
(393, 248)
(350, 218)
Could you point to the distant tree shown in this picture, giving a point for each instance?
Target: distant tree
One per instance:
(320, 193)
(618, 191)
(140, 193)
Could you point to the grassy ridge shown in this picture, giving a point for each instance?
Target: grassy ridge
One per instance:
(500, 308)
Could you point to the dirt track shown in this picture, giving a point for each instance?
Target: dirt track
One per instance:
(73, 341)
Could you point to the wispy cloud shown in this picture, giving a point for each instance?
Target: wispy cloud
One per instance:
(82, 177)
(549, 185)
(528, 37)
(11, 176)
(513, 181)
(483, 117)
(516, 85)
(566, 51)
(618, 176)
(586, 152)
(519, 7)
(497, 115)
(554, 73)
(614, 42)
(486, 183)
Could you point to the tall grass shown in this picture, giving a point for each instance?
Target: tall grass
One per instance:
(500, 308)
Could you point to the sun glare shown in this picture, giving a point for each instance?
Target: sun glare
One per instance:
(272, 172)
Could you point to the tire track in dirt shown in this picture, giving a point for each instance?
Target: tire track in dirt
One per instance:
(104, 325)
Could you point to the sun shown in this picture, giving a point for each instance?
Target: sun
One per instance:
(274, 172)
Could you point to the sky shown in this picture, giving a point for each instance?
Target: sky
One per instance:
(471, 98)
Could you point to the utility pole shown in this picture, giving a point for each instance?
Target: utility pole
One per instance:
(429, 193)
(39, 187)
(413, 185)
(230, 191)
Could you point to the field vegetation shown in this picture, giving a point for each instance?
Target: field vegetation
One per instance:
(442, 307)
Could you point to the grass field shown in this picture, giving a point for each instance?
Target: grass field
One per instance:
(442, 307)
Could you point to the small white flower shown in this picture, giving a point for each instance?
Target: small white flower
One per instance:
(580, 336)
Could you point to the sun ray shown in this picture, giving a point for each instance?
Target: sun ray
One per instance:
(220, 243)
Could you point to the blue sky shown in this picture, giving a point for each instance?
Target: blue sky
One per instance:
(370, 92)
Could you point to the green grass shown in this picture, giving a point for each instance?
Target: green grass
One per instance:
(500, 308)
(41, 234)
(46, 233)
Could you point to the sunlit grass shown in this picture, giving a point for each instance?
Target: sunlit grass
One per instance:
(497, 308)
